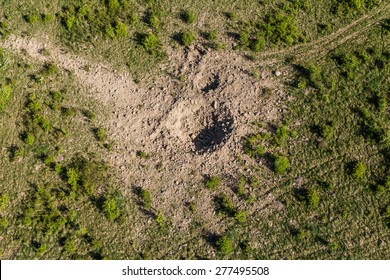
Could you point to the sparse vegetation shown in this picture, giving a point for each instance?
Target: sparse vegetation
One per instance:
(212, 182)
(186, 38)
(281, 164)
(308, 179)
(225, 245)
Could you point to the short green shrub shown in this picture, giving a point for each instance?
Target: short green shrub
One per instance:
(3, 201)
(142, 154)
(281, 164)
(253, 145)
(40, 249)
(28, 138)
(15, 152)
(49, 69)
(327, 132)
(56, 96)
(211, 35)
(101, 134)
(188, 16)
(333, 246)
(186, 38)
(160, 220)
(146, 199)
(90, 115)
(73, 177)
(257, 44)
(308, 197)
(225, 205)
(68, 112)
(33, 18)
(111, 209)
(120, 29)
(3, 223)
(358, 170)
(312, 199)
(225, 245)
(150, 43)
(5, 96)
(241, 216)
(70, 246)
(212, 182)
(46, 18)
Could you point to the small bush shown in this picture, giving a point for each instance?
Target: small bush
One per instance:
(70, 246)
(142, 154)
(100, 134)
(150, 43)
(15, 152)
(46, 18)
(282, 134)
(120, 29)
(186, 38)
(358, 170)
(56, 96)
(31, 18)
(90, 115)
(240, 216)
(110, 209)
(327, 132)
(225, 245)
(73, 177)
(68, 112)
(160, 220)
(333, 246)
(5, 95)
(225, 205)
(312, 198)
(211, 36)
(49, 69)
(40, 249)
(147, 199)
(253, 145)
(188, 17)
(281, 164)
(231, 15)
(3, 223)
(28, 138)
(212, 182)
(257, 44)
(309, 197)
(3, 201)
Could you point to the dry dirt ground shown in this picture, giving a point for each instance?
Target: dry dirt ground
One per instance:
(189, 127)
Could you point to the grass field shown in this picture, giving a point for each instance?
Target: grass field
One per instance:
(311, 181)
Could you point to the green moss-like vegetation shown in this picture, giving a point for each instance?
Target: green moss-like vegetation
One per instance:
(225, 245)
(281, 164)
(212, 182)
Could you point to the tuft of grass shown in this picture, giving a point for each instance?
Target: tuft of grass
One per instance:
(212, 182)
(358, 170)
(5, 95)
(186, 38)
(146, 199)
(28, 138)
(101, 134)
(225, 245)
(281, 164)
(110, 208)
(188, 16)
(3, 201)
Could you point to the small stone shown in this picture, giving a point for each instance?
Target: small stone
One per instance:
(214, 105)
(278, 73)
